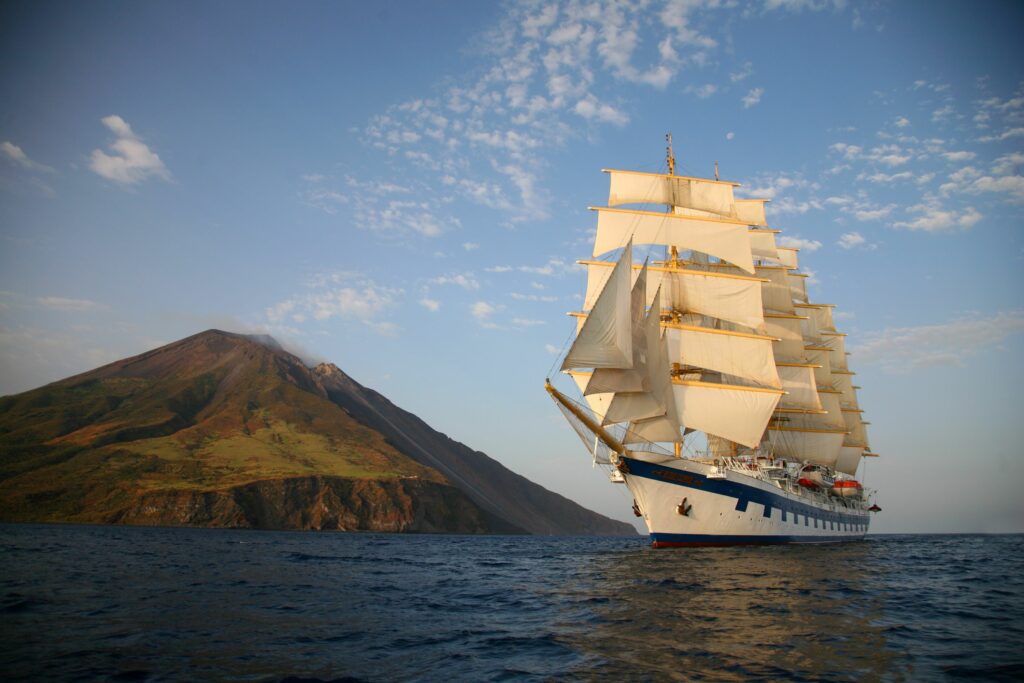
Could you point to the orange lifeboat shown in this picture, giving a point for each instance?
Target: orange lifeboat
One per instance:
(847, 488)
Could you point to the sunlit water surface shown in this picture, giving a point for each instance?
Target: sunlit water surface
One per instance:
(121, 603)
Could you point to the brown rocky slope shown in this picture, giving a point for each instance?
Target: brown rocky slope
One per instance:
(221, 429)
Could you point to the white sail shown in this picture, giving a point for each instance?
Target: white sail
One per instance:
(735, 413)
(800, 387)
(844, 383)
(849, 459)
(751, 211)
(762, 245)
(820, 357)
(798, 286)
(633, 379)
(823, 317)
(632, 187)
(736, 298)
(776, 294)
(639, 405)
(734, 353)
(661, 428)
(819, 446)
(598, 402)
(858, 435)
(606, 338)
(723, 238)
(788, 257)
(785, 328)
(809, 325)
(836, 342)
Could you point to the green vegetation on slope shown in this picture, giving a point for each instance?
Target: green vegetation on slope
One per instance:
(210, 413)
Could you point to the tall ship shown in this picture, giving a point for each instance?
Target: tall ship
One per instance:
(705, 380)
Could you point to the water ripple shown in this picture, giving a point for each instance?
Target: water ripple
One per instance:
(138, 604)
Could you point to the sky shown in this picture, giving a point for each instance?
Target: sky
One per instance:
(401, 188)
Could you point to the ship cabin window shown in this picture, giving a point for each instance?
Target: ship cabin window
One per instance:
(815, 522)
(807, 520)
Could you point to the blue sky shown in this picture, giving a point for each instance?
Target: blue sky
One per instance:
(401, 188)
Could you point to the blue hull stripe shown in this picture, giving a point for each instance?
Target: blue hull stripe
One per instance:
(743, 494)
(670, 540)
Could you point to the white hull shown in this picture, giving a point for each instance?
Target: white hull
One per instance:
(728, 508)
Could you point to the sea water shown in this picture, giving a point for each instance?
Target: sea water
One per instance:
(147, 604)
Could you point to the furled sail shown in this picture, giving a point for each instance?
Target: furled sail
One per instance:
(606, 338)
(724, 238)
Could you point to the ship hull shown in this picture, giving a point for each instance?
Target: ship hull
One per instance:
(730, 508)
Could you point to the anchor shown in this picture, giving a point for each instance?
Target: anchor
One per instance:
(684, 509)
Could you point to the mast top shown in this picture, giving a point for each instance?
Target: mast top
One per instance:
(669, 156)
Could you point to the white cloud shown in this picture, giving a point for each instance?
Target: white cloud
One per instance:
(730, 135)
(470, 246)
(547, 298)
(958, 156)
(362, 303)
(552, 349)
(904, 349)
(703, 91)
(590, 108)
(432, 305)
(341, 295)
(132, 160)
(935, 218)
(752, 97)
(902, 122)
(1005, 135)
(796, 242)
(467, 281)
(527, 322)
(873, 214)
(15, 154)
(483, 311)
(72, 305)
(942, 113)
(742, 73)
(850, 240)
(886, 178)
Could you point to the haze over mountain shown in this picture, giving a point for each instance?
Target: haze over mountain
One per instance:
(221, 429)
